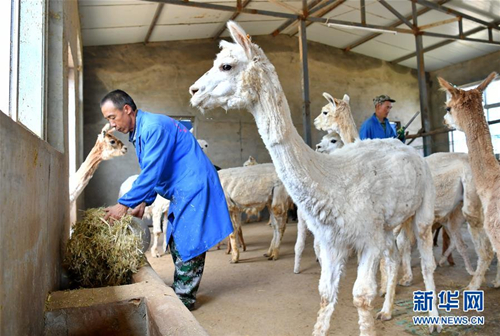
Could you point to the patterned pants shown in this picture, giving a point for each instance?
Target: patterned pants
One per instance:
(187, 276)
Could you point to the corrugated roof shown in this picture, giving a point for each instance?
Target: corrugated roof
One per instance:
(108, 22)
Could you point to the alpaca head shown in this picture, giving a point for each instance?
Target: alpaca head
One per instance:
(329, 143)
(250, 162)
(463, 102)
(332, 114)
(109, 145)
(203, 144)
(229, 83)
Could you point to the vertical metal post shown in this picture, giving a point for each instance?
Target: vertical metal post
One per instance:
(363, 11)
(422, 85)
(306, 113)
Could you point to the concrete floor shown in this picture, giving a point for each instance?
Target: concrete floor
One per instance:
(261, 297)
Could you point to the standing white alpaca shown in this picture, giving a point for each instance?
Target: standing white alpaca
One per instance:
(106, 147)
(347, 198)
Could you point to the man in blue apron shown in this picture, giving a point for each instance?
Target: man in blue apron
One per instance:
(174, 166)
(378, 126)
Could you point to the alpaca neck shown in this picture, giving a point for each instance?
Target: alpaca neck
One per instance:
(348, 131)
(292, 158)
(482, 159)
(82, 177)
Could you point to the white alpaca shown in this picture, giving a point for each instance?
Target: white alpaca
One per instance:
(255, 187)
(347, 198)
(250, 162)
(156, 211)
(329, 143)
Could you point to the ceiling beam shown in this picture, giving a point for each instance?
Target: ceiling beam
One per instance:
(450, 11)
(207, 5)
(439, 23)
(396, 13)
(289, 22)
(441, 44)
(159, 8)
(233, 17)
(395, 24)
(319, 13)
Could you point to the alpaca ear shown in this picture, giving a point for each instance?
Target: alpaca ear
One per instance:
(447, 86)
(240, 37)
(346, 98)
(487, 81)
(330, 99)
(105, 129)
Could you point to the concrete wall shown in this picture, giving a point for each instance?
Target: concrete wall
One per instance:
(158, 76)
(471, 71)
(33, 216)
(34, 200)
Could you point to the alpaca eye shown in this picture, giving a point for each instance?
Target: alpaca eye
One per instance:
(325, 112)
(448, 109)
(333, 141)
(112, 142)
(226, 67)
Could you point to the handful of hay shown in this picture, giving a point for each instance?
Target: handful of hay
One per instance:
(99, 254)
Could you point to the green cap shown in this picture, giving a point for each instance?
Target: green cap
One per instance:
(381, 99)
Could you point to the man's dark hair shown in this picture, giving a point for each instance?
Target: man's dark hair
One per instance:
(119, 98)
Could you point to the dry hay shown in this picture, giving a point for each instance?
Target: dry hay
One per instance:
(99, 254)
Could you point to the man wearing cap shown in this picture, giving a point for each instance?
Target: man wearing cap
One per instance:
(378, 126)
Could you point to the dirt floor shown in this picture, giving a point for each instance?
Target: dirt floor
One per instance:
(262, 297)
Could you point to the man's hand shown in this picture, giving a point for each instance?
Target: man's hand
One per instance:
(139, 210)
(117, 211)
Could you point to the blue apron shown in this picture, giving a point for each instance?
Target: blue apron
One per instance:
(371, 129)
(174, 166)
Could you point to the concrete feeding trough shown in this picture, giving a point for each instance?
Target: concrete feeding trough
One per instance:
(147, 307)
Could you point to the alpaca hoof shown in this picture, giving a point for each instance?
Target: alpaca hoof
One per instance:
(383, 316)
(494, 284)
(296, 271)
(405, 282)
(381, 293)
(436, 328)
(234, 261)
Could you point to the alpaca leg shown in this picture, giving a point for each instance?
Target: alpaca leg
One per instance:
(279, 226)
(365, 289)
(446, 245)
(496, 282)
(300, 243)
(484, 253)
(453, 227)
(383, 277)
(333, 260)
(391, 263)
(240, 236)
(404, 248)
(157, 216)
(428, 265)
(233, 237)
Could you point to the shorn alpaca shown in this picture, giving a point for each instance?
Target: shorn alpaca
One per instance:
(106, 147)
(347, 198)
(255, 187)
(465, 113)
